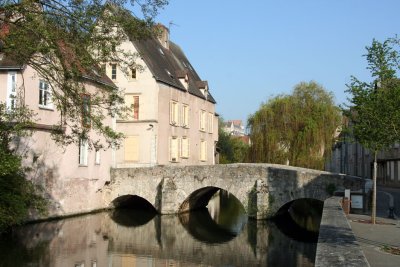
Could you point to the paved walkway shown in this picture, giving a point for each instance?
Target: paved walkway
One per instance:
(386, 233)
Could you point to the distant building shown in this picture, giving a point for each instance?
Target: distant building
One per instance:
(234, 127)
(350, 157)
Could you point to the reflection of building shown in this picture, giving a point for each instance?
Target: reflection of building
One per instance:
(234, 127)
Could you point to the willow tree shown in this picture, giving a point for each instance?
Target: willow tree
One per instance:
(67, 42)
(374, 106)
(296, 129)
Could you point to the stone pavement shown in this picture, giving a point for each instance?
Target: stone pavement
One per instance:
(373, 238)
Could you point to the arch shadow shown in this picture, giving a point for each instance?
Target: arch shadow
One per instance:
(300, 219)
(132, 211)
(217, 221)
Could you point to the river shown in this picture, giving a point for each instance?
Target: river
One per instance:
(219, 235)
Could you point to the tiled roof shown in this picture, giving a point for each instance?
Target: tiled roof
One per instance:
(168, 65)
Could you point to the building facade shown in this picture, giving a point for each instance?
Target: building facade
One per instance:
(350, 157)
(172, 116)
(234, 128)
(71, 175)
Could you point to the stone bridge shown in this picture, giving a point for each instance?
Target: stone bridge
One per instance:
(262, 188)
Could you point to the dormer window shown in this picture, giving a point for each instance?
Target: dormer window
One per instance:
(183, 78)
(203, 87)
(169, 74)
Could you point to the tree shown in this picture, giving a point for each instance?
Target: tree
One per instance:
(67, 42)
(374, 106)
(296, 129)
(17, 195)
(232, 150)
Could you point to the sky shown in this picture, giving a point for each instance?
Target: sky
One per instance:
(250, 51)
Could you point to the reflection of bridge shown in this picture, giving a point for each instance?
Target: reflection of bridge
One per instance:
(161, 241)
(261, 188)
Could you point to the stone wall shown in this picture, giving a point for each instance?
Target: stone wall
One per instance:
(337, 245)
(262, 188)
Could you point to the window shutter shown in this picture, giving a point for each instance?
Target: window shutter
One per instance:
(129, 104)
(176, 115)
(171, 112)
(185, 147)
(203, 150)
(136, 107)
(174, 149)
(132, 148)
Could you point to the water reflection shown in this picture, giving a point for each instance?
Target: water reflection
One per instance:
(208, 237)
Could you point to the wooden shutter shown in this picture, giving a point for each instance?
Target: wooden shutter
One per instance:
(185, 147)
(136, 107)
(174, 149)
(132, 148)
(203, 150)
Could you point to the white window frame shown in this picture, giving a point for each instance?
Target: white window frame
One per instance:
(45, 95)
(203, 147)
(185, 151)
(185, 116)
(11, 90)
(97, 157)
(83, 152)
(113, 68)
(203, 120)
(174, 113)
(210, 122)
(174, 154)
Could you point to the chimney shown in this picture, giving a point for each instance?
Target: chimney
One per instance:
(163, 35)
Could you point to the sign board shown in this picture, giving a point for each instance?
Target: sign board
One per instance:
(356, 201)
(347, 193)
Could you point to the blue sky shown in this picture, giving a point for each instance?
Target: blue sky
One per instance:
(252, 50)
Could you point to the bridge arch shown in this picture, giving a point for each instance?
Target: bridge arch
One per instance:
(132, 202)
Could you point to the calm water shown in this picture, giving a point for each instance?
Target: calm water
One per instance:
(220, 235)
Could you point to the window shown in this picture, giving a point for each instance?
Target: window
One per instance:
(45, 95)
(97, 157)
(86, 121)
(210, 123)
(185, 147)
(174, 149)
(83, 152)
(11, 90)
(113, 71)
(185, 116)
(133, 73)
(132, 102)
(203, 120)
(131, 148)
(203, 150)
(174, 113)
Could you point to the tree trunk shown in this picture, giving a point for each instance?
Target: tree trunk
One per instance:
(373, 215)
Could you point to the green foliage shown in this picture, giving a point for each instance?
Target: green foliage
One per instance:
(374, 106)
(67, 42)
(232, 149)
(298, 128)
(17, 195)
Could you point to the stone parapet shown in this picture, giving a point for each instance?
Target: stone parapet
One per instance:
(337, 245)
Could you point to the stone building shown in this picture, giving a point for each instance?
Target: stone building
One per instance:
(350, 157)
(71, 175)
(234, 128)
(173, 119)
